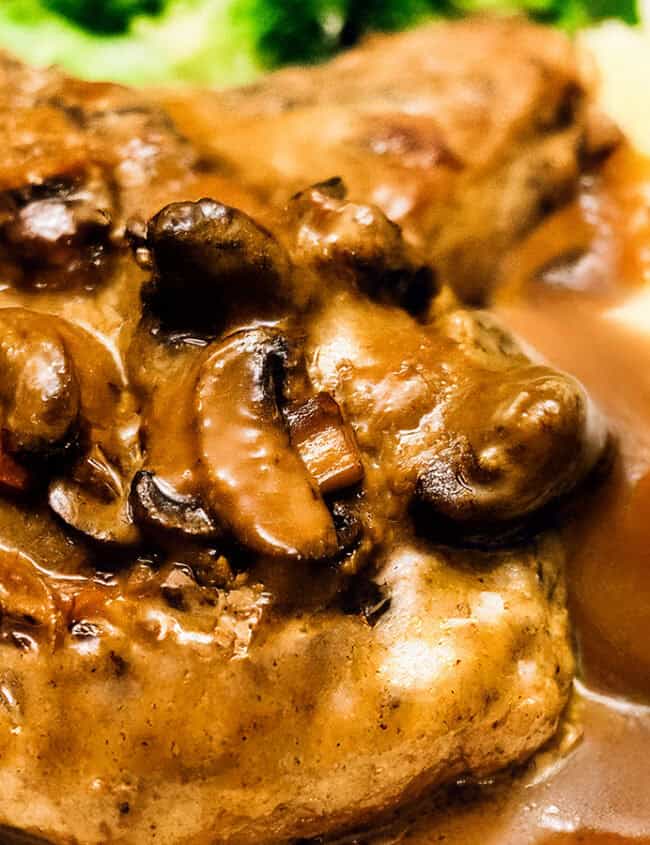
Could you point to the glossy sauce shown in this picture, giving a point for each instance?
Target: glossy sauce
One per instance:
(593, 789)
(597, 790)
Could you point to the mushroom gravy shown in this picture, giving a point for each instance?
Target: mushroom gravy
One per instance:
(278, 516)
(587, 313)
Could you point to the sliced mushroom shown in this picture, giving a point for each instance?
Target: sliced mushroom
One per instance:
(207, 258)
(95, 501)
(522, 440)
(79, 509)
(256, 482)
(325, 443)
(39, 387)
(92, 495)
(359, 241)
(157, 504)
(164, 375)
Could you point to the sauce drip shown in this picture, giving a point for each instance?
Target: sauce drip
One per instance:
(588, 320)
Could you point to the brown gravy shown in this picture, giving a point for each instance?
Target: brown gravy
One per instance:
(597, 793)
(592, 791)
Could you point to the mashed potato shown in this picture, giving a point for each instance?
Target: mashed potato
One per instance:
(622, 56)
(622, 60)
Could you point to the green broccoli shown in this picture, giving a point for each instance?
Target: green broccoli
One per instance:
(105, 16)
(573, 14)
(568, 14)
(364, 16)
(231, 41)
(291, 31)
(367, 15)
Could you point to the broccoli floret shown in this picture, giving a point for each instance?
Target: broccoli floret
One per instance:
(568, 14)
(104, 16)
(573, 14)
(232, 41)
(364, 16)
(291, 31)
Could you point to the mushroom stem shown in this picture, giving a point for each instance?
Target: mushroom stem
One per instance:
(325, 443)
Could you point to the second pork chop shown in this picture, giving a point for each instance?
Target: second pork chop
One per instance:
(466, 134)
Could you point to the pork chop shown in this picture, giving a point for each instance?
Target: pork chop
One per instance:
(275, 543)
(466, 134)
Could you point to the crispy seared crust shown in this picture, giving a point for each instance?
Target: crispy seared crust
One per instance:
(465, 133)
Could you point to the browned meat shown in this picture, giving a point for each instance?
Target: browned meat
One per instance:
(273, 549)
(466, 134)
(79, 160)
